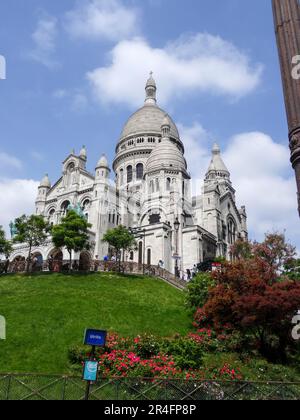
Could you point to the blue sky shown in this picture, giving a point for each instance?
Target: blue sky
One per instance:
(76, 70)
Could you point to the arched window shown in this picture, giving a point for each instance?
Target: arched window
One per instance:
(64, 206)
(231, 232)
(131, 257)
(129, 174)
(157, 184)
(140, 171)
(140, 252)
(121, 176)
(86, 204)
(151, 187)
(168, 184)
(51, 213)
(149, 260)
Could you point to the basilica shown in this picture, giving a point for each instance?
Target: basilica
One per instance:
(150, 193)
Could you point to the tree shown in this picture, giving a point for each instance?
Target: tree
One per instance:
(251, 297)
(5, 245)
(198, 290)
(5, 249)
(120, 239)
(242, 250)
(31, 230)
(72, 234)
(292, 269)
(275, 250)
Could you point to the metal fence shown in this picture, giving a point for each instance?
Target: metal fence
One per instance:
(37, 387)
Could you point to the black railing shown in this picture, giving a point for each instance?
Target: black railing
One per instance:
(43, 387)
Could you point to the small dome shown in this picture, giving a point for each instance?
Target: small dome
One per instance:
(103, 162)
(45, 182)
(166, 155)
(83, 153)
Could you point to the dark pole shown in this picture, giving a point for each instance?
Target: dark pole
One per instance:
(144, 251)
(287, 27)
(88, 384)
(176, 227)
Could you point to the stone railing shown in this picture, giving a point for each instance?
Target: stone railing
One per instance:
(57, 266)
(134, 268)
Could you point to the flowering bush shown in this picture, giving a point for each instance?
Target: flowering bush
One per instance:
(149, 357)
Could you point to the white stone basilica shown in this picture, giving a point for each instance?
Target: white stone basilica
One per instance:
(151, 194)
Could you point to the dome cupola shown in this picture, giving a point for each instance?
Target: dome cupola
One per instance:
(102, 163)
(45, 182)
(166, 154)
(83, 153)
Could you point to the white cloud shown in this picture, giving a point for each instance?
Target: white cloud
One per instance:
(261, 174)
(191, 64)
(9, 162)
(44, 38)
(20, 195)
(102, 19)
(77, 100)
(260, 169)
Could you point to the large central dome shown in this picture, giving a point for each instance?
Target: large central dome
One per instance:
(147, 120)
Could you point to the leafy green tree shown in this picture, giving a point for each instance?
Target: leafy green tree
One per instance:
(31, 230)
(292, 269)
(198, 290)
(275, 250)
(242, 250)
(5, 245)
(72, 234)
(119, 239)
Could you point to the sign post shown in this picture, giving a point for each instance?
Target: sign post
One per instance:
(93, 338)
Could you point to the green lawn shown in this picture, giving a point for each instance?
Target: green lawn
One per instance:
(47, 314)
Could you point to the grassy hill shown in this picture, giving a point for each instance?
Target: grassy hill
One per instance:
(47, 314)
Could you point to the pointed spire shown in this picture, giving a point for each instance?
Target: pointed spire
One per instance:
(83, 153)
(166, 127)
(217, 165)
(45, 182)
(151, 91)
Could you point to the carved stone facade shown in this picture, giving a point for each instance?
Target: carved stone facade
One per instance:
(151, 195)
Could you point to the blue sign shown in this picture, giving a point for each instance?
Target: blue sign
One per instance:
(95, 338)
(90, 372)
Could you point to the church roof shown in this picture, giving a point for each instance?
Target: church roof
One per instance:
(83, 153)
(217, 164)
(103, 162)
(45, 182)
(166, 155)
(148, 119)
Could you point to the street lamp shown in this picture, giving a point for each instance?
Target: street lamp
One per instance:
(143, 237)
(176, 227)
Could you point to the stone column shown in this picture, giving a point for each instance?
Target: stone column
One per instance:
(287, 26)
